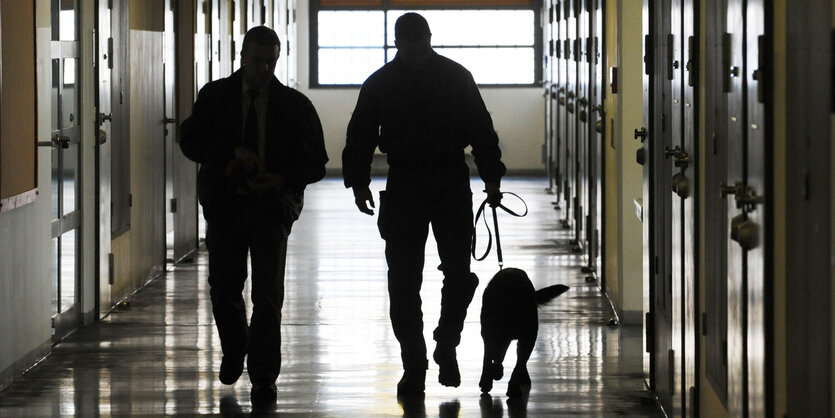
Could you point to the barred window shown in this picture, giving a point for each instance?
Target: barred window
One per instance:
(499, 41)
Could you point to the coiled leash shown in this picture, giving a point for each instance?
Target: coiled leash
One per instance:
(495, 227)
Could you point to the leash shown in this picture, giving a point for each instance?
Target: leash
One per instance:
(495, 227)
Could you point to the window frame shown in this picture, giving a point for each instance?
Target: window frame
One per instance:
(385, 6)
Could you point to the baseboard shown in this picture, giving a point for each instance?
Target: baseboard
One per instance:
(22, 365)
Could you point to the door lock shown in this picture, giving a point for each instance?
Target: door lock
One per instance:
(726, 190)
(745, 232)
(681, 185)
(680, 158)
(62, 141)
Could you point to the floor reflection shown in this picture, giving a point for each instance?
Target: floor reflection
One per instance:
(160, 353)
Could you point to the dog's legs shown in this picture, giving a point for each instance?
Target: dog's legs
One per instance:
(486, 382)
(520, 380)
(494, 352)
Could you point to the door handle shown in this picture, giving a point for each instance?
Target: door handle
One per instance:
(105, 117)
(641, 134)
(170, 120)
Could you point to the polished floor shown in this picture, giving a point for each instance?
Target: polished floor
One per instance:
(159, 354)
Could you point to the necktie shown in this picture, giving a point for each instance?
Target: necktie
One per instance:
(250, 139)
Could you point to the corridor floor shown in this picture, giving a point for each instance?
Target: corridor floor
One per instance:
(159, 354)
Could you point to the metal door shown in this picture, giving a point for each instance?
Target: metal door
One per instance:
(676, 157)
(715, 327)
(203, 57)
(685, 188)
(581, 131)
(657, 204)
(169, 62)
(750, 235)
(808, 207)
(595, 129)
(562, 52)
(548, 83)
(66, 169)
(733, 81)
(572, 58)
(680, 72)
(104, 89)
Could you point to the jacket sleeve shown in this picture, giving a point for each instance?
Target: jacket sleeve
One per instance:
(202, 133)
(482, 136)
(309, 167)
(362, 138)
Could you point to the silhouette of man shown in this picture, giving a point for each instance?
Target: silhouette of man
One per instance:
(423, 110)
(259, 144)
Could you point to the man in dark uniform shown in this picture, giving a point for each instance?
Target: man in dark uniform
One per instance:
(423, 110)
(259, 144)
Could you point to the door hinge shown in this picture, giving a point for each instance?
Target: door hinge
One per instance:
(111, 261)
(671, 370)
(704, 323)
(130, 200)
(174, 205)
(656, 265)
(727, 73)
(109, 56)
(725, 353)
(649, 326)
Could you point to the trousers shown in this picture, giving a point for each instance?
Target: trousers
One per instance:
(404, 220)
(248, 229)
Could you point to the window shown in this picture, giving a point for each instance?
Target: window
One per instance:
(497, 40)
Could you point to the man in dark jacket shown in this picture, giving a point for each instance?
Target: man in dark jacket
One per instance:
(259, 144)
(423, 110)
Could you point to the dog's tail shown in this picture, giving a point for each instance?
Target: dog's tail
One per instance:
(549, 293)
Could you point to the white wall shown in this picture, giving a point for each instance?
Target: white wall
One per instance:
(26, 249)
(518, 113)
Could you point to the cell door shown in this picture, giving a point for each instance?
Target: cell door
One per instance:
(66, 169)
(684, 186)
(733, 55)
(549, 83)
(595, 124)
(581, 127)
(563, 51)
(675, 161)
(657, 206)
(572, 58)
(104, 89)
(680, 73)
(715, 227)
(749, 235)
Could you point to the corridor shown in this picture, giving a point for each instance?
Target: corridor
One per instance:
(159, 352)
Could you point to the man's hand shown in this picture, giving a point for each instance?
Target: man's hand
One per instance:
(251, 162)
(267, 181)
(362, 196)
(494, 194)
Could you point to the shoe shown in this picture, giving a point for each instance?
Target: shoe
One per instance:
(231, 369)
(262, 395)
(412, 383)
(448, 374)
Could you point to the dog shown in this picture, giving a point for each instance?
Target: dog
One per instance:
(509, 312)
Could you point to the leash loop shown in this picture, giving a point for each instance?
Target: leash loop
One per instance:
(479, 214)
